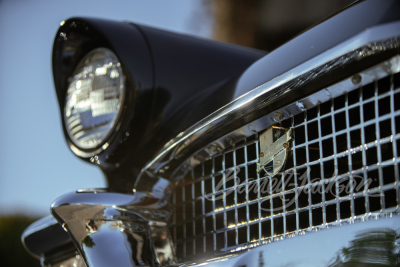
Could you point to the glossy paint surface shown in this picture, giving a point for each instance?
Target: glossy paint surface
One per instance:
(333, 31)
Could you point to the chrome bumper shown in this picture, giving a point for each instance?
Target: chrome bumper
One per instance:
(318, 248)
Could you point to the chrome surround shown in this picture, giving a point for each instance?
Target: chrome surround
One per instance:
(274, 153)
(370, 42)
(103, 143)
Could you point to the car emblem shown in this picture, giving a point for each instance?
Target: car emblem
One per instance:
(274, 145)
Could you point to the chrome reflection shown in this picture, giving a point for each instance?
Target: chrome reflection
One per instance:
(113, 229)
(370, 243)
(372, 247)
(75, 261)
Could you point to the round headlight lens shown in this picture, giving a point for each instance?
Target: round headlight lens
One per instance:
(94, 98)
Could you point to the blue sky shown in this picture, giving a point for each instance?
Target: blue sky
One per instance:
(36, 166)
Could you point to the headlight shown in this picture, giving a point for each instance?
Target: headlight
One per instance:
(94, 99)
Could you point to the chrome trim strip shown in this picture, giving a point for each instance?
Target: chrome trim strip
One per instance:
(371, 41)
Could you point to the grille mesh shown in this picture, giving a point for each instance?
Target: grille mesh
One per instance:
(343, 166)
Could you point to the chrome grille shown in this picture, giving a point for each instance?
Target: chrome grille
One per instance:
(342, 167)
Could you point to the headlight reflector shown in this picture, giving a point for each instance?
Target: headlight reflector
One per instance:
(94, 98)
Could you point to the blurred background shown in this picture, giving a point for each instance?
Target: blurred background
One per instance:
(36, 165)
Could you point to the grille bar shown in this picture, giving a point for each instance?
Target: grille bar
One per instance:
(343, 142)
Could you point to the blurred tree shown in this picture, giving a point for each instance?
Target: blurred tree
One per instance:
(266, 24)
(12, 252)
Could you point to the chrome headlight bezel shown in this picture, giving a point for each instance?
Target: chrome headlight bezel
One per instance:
(88, 137)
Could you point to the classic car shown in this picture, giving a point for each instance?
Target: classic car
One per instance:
(216, 154)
